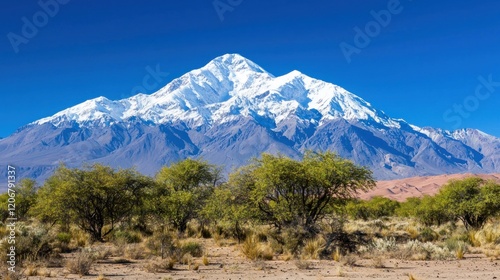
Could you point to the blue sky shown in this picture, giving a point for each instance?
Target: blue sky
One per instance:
(434, 63)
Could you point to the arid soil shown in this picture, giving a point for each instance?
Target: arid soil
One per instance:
(227, 262)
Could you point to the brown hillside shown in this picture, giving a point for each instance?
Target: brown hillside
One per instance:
(401, 189)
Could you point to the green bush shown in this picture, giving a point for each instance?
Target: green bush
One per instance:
(32, 244)
(375, 208)
(472, 200)
(192, 247)
(427, 235)
(129, 237)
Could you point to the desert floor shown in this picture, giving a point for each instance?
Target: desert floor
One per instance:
(228, 263)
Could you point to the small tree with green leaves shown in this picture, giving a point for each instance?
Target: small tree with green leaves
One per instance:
(230, 204)
(181, 190)
(471, 200)
(91, 198)
(376, 207)
(291, 193)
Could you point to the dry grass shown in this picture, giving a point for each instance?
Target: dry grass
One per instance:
(312, 248)
(135, 252)
(378, 262)
(205, 260)
(192, 247)
(80, 264)
(349, 260)
(101, 253)
(159, 265)
(336, 256)
(255, 250)
(302, 264)
(102, 277)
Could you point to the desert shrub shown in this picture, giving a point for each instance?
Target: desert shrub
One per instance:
(427, 234)
(187, 259)
(303, 264)
(378, 261)
(163, 243)
(409, 207)
(160, 265)
(432, 212)
(375, 208)
(344, 242)
(192, 247)
(100, 252)
(253, 249)
(181, 191)
(63, 239)
(489, 234)
(32, 243)
(114, 195)
(7, 275)
(128, 237)
(472, 200)
(415, 249)
(313, 248)
(349, 260)
(384, 245)
(205, 260)
(81, 263)
(298, 194)
(135, 252)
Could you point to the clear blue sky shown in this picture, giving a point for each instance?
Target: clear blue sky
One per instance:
(426, 59)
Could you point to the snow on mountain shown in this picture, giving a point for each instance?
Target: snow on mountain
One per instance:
(227, 86)
(232, 110)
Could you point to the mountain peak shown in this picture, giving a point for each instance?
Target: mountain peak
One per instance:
(235, 63)
(231, 110)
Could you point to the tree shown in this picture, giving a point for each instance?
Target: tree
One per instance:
(290, 193)
(432, 211)
(181, 190)
(230, 204)
(91, 197)
(26, 196)
(471, 200)
(376, 207)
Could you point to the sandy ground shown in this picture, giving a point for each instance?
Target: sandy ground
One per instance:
(228, 263)
(401, 189)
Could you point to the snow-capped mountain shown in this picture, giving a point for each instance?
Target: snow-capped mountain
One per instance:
(231, 110)
(227, 88)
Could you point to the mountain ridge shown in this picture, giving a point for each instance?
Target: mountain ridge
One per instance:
(232, 110)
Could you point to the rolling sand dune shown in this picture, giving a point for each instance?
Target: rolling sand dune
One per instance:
(401, 189)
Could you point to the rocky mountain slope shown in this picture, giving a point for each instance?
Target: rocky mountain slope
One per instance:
(232, 110)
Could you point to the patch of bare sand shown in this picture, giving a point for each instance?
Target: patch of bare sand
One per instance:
(401, 189)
